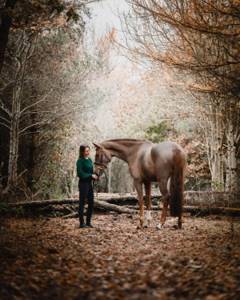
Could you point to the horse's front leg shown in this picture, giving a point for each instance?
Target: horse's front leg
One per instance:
(138, 186)
(148, 202)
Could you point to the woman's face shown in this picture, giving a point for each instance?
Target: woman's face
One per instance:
(86, 152)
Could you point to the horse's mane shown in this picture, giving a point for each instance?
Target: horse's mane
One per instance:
(125, 140)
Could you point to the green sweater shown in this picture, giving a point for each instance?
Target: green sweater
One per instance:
(84, 168)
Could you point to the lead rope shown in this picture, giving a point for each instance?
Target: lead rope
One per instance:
(96, 184)
(95, 189)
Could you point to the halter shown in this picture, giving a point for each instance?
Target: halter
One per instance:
(96, 183)
(101, 165)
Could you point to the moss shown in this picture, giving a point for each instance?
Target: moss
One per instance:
(159, 132)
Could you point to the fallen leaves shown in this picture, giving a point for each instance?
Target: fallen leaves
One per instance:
(52, 258)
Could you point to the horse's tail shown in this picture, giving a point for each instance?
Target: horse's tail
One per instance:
(177, 185)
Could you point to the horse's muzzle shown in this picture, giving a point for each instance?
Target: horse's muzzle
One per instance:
(99, 169)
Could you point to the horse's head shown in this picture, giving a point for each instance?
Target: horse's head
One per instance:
(102, 159)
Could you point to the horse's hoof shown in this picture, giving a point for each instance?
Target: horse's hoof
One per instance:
(159, 226)
(145, 226)
(139, 227)
(177, 227)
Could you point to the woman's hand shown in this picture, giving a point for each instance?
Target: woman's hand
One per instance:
(94, 176)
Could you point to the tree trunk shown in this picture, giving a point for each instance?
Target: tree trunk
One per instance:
(16, 115)
(214, 133)
(109, 177)
(5, 25)
(32, 149)
(231, 160)
(13, 151)
(14, 134)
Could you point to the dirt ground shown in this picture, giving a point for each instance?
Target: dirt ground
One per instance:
(53, 259)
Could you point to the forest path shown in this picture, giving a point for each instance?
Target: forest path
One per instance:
(53, 259)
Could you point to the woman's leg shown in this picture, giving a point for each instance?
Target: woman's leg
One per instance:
(83, 192)
(90, 197)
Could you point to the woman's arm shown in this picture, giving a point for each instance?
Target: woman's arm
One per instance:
(80, 172)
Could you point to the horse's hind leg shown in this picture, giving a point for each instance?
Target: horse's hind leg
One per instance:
(165, 196)
(147, 186)
(180, 222)
(138, 186)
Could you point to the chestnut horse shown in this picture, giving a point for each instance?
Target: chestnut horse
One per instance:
(148, 162)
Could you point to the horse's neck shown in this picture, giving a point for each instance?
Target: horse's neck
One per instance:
(121, 149)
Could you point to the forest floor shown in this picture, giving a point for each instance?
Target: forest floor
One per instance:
(50, 258)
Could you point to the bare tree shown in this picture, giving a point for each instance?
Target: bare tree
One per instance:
(30, 112)
(38, 16)
(201, 39)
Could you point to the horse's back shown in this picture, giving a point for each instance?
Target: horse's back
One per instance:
(151, 160)
(166, 154)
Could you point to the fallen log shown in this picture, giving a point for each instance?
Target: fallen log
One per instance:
(126, 203)
(211, 199)
(108, 206)
(105, 206)
(72, 215)
(191, 198)
(67, 207)
(194, 211)
(42, 203)
(117, 199)
(204, 211)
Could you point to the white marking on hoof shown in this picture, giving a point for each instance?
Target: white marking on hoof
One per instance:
(171, 221)
(168, 185)
(148, 215)
(159, 226)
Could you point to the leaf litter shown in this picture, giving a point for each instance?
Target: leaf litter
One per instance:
(52, 258)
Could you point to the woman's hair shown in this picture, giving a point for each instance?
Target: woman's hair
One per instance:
(82, 149)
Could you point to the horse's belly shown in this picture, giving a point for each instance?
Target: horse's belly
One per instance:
(151, 178)
(148, 172)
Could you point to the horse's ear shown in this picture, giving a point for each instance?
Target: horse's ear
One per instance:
(97, 146)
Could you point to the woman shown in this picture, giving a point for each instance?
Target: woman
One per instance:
(86, 175)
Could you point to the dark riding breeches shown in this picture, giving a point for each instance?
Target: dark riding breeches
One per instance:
(85, 192)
